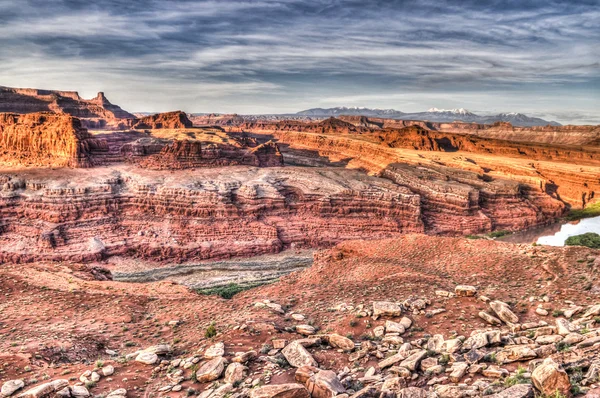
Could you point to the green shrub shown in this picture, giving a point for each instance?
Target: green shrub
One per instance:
(517, 378)
(498, 234)
(589, 239)
(228, 291)
(590, 211)
(211, 331)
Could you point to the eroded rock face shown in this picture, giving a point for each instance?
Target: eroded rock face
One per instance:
(245, 212)
(186, 154)
(167, 120)
(98, 111)
(44, 139)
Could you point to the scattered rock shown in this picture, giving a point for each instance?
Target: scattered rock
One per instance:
(211, 370)
(11, 386)
(297, 355)
(292, 390)
(549, 378)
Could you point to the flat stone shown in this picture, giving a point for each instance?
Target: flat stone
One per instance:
(386, 308)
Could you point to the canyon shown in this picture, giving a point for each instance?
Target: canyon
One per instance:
(165, 191)
(227, 256)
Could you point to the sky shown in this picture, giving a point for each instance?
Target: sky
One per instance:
(540, 57)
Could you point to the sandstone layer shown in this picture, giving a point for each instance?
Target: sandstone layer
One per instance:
(90, 214)
(565, 173)
(168, 120)
(99, 111)
(45, 139)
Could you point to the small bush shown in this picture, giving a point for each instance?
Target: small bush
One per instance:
(517, 378)
(211, 331)
(563, 347)
(498, 234)
(228, 291)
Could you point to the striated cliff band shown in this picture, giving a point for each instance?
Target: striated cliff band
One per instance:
(170, 193)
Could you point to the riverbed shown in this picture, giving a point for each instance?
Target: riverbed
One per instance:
(555, 234)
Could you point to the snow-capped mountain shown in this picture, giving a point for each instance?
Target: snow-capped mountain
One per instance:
(354, 110)
(432, 115)
(458, 111)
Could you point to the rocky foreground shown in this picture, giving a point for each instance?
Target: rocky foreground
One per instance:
(416, 316)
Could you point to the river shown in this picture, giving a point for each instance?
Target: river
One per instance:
(555, 234)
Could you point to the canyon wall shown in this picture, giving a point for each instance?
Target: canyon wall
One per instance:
(45, 139)
(23, 101)
(82, 216)
(167, 120)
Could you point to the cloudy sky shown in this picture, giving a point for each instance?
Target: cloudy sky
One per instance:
(541, 57)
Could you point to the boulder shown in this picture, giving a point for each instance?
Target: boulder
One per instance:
(45, 389)
(435, 343)
(159, 349)
(563, 326)
(211, 370)
(11, 386)
(503, 311)
(292, 390)
(478, 340)
(386, 308)
(305, 330)
(515, 353)
(549, 378)
(216, 350)
(338, 341)
(118, 393)
(516, 391)
(79, 392)
(108, 370)
(394, 359)
(394, 327)
(149, 358)
(413, 361)
(412, 392)
(457, 371)
(297, 355)
(324, 384)
(465, 291)
(391, 387)
(235, 373)
(492, 320)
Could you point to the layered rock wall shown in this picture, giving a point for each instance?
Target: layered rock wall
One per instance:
(249, 212)
(44, 139)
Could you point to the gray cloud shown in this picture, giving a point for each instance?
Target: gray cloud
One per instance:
(281, 56)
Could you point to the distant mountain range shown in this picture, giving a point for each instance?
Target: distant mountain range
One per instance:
(432, 115)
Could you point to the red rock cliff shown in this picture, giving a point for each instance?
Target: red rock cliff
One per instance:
(44, 139)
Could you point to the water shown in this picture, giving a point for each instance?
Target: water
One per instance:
(571, 229)
(554, 234)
